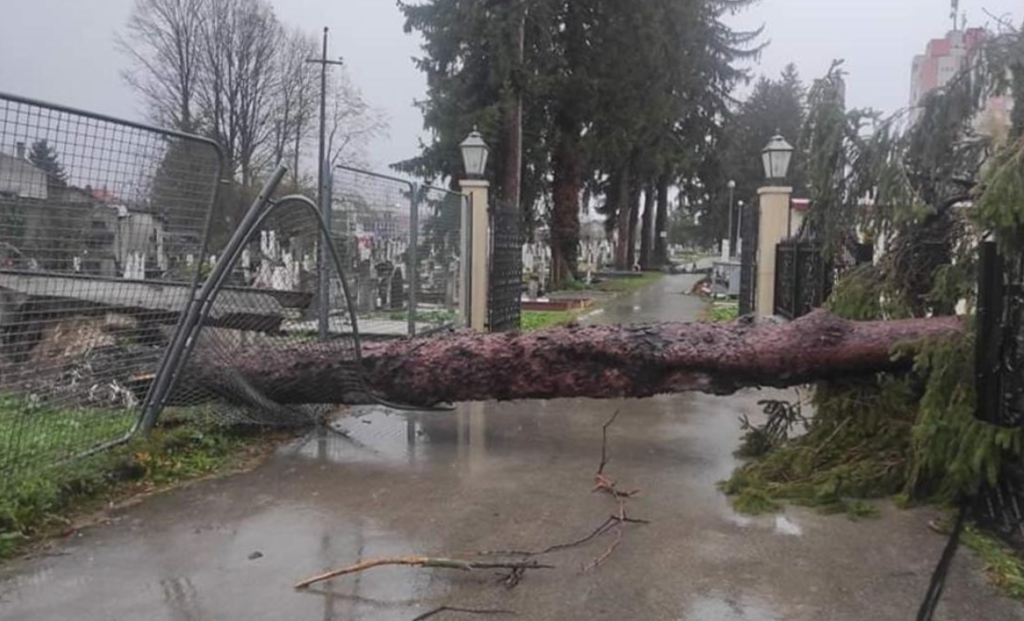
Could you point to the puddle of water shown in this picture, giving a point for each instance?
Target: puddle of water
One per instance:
(178, 574)
(724, 609)
(469, 437)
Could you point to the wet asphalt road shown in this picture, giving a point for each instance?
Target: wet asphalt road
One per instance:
(499, 476)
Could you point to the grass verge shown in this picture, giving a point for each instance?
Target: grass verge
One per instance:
(722, 312)
(1005, 568)
(542, 320)
(41, 504)
(627, 285)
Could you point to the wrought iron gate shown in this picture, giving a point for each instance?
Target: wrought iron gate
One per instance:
(800, 278)
(999, 358)
(1000, 352)
(748, 256)
(506, 274)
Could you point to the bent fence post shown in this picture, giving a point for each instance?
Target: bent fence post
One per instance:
(184, 338)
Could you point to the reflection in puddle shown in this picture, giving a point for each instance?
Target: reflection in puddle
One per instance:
(182, 599)
(719, 609)
(381, 436)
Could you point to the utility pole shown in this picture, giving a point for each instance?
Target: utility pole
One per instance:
(323, 196)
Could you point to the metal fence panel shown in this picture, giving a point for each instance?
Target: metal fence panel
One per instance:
(102, 231)
(401, 245)
(441, 273)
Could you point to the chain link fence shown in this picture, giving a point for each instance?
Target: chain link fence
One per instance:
(402, 246)
(102, 231)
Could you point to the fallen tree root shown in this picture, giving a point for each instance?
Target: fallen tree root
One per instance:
(421, 561)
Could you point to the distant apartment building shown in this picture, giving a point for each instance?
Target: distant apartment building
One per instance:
(942, 60)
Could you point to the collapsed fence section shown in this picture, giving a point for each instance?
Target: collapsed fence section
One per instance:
(102, 231)
(403, 247)
(265, 301)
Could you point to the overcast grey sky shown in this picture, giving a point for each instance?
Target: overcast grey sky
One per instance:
(63, 50)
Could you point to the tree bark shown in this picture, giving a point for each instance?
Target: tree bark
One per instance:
(594, 362)
(565, 216)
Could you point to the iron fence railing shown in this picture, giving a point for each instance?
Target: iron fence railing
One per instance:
(103, 225)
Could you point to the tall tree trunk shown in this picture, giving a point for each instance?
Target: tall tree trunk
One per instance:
(513, 175)
(634, 219)
(565, 216)
(661, 223)
(647, 230)
(594, 361)
(622, 218)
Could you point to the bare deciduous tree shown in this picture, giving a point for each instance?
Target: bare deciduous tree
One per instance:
(296, 106)
(240, 45)
(352, 123)
(229, 70)
(163, 42)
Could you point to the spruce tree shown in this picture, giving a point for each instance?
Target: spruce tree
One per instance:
(45, 158)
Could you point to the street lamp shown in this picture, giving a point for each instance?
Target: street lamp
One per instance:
(776, 158)
(739, 230)
(474, 155)
(732, 195)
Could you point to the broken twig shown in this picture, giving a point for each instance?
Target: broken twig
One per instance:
(421, 561)
(468, 611)
(604, 442)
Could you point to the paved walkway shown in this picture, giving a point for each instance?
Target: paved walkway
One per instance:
(498, 476)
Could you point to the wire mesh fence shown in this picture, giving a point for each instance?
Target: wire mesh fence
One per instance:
(402, 246)
(442, 251)
(102, 226)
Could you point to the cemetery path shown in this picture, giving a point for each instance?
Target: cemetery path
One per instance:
(494, 476)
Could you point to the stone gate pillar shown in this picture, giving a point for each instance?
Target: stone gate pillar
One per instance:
(479, 231)
(773, 228)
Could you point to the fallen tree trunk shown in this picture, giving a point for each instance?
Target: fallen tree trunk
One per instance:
(594, 362)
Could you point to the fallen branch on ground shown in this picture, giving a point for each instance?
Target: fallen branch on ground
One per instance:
(421, 561)
(608, 486)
